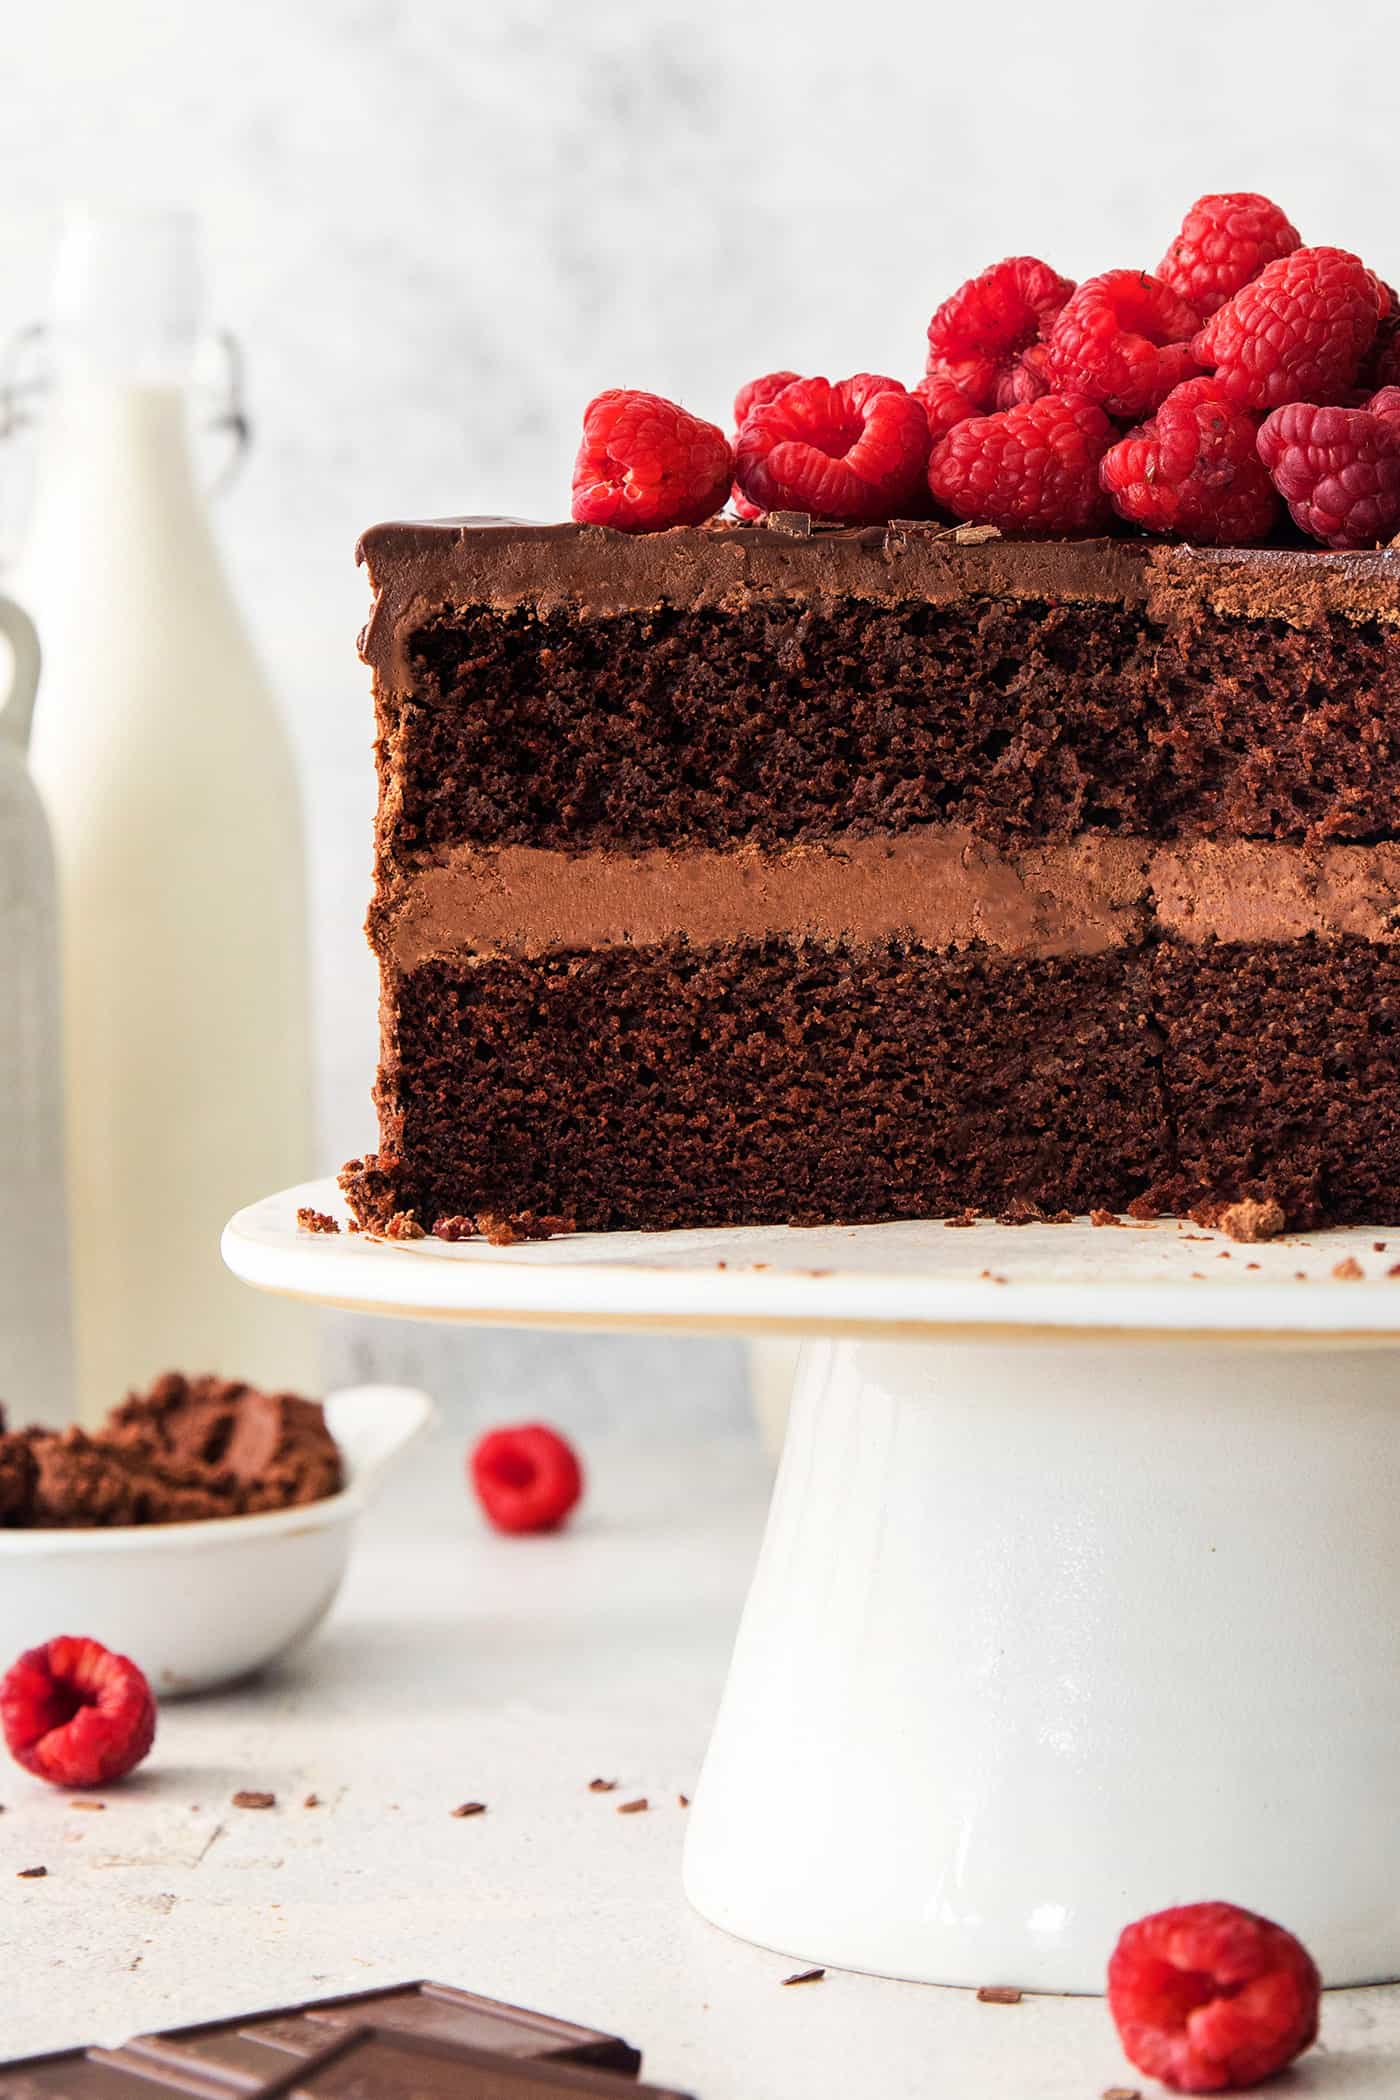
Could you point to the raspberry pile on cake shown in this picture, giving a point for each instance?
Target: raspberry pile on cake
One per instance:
(1000, 808)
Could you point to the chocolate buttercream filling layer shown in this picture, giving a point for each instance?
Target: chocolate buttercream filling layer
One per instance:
(938, 886)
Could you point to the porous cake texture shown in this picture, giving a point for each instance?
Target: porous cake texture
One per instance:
(750, 873)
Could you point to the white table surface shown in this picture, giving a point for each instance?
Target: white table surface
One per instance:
(462, 1666)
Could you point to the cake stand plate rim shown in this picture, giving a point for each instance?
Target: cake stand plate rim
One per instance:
(902, 1280)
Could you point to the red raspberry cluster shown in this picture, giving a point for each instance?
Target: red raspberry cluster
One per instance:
(1247, 373)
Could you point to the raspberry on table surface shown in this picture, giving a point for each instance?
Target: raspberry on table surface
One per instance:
(1225, 240)
(646, 463)
(1338, 469)
(977, 337)
(1193, 470)
(1299, 331)
(527, 1477)
(75, 1714)
(1029, 470)
(1211, 1998)
(850, 453)
(1124, 341)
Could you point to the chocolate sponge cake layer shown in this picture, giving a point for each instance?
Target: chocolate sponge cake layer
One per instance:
(768, 1081)
(1022, 719)
(562, 686)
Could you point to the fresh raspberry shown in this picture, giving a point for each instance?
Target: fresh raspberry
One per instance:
(757, 393)
(853, 453)
(754, 393)
(1381, 364)
(975, 337)
(645, 464)
(1026, 379)
(1296, 332)
(945, 405)
(1210, 1998)
(1224, 241)
(1031, 470)
(526, 1478)
(76, 1714)
(1194, 470)
(1124, 340)
(1338, 469)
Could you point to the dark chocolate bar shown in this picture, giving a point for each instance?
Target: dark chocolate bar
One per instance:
(423, 2029)
(386, 2063)
(96, 2074)
(261, 2042)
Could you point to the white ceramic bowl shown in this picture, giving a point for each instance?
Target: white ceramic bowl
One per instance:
(197, 1605)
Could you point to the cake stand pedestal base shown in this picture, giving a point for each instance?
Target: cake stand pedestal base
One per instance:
(1051, 1631)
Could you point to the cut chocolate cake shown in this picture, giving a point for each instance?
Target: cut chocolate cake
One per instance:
(748, 873)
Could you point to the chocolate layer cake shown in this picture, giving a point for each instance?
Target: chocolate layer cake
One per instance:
(754, 873)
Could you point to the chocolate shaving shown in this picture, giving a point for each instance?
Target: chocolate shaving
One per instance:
(470, 1808)
(633, 1808)
(31, 1874)
(602, 1786)
(803, 1976)
(796, 523)
(253, 1797)
(998, 1994)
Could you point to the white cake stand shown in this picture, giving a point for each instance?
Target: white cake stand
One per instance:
(1080, 1593)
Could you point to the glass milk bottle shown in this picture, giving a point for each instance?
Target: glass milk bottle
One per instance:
(170, 787)
(35, 1345)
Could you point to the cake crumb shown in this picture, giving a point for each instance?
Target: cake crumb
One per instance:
(682, 1801)
(309, 1220)
(1250, 1221)
(1144, 1210)
(1021, 1212)
(312, 1801)
(527, 1225)
(253, 1797)
(962, 1217)
(803, 1976)
(1394, 1269)
(1348, 1270)
(998, 1994)
(404, 1226)
(1104, 1217)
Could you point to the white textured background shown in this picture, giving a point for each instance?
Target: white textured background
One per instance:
(438, 228)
